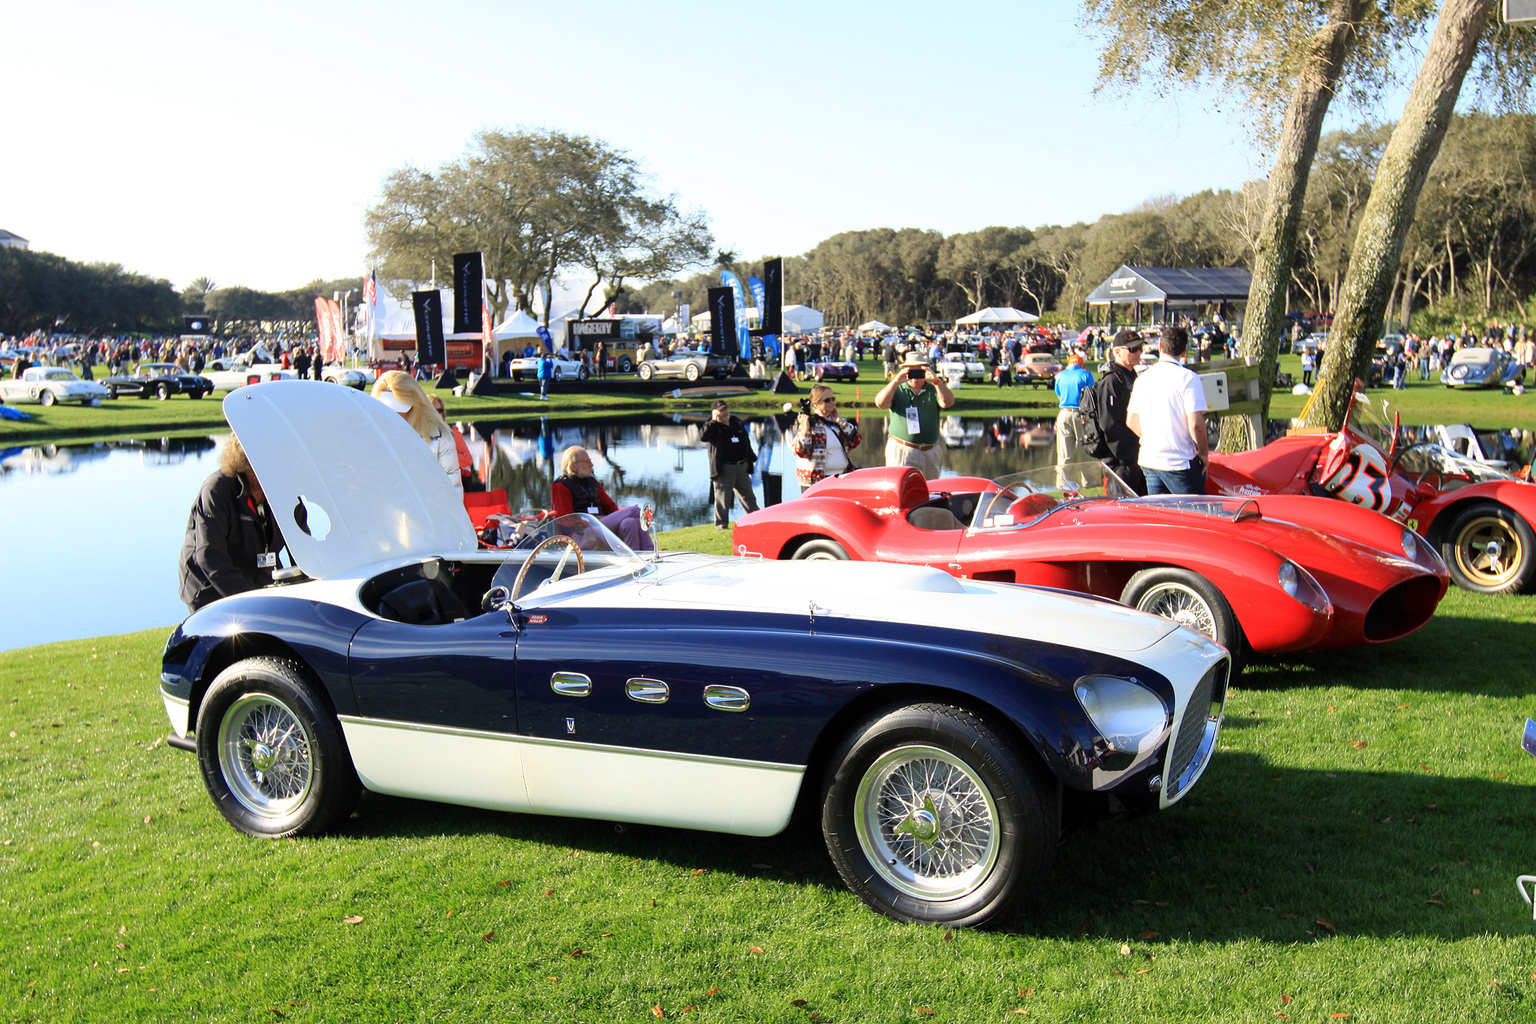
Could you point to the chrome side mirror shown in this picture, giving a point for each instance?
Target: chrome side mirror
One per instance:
(497, 599)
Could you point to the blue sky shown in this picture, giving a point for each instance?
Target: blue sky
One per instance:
(244, 142)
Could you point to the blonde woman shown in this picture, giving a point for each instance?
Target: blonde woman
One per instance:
(401, 392)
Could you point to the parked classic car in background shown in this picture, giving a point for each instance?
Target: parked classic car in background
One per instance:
(1037, 369)
(962, 365)
(1482, 368)
(49, 384)
(1479, 517)
(938, 725)
(1272, 575)
(158, 380)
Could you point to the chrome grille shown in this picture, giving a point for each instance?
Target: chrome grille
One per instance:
(1192, 728)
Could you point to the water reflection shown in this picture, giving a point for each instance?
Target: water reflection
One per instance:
(661, 459)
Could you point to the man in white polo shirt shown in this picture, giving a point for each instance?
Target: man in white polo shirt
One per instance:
(1167, 411)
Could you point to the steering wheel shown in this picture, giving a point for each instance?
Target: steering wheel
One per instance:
(548, 542)
(1434, 477)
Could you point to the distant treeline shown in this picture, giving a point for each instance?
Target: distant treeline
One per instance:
(1470, 253)
(41, 291)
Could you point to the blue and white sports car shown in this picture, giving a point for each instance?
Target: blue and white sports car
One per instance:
(938, 725)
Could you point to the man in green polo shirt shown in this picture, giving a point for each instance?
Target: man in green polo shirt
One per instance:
(914, 397)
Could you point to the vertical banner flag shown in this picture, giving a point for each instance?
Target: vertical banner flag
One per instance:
(466, 293)
(722, 317)
(323, 322)
(759, 297)
(336, 351)
(770, 315)
(371, 303)
(487, 340)
(428, 307)
(743, 340)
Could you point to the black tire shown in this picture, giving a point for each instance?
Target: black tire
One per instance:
(582, 374)
(1188, 599)
(1490, 549)
(626, 365)
(821, 551)
(517, 375)
(647, 371)
(162, 391)
(272, 755)
(47, 398)
(557, 372)
(691, 371)
(931, 817)
(194, 395)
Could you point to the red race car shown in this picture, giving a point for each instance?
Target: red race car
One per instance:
(1248, 572)
(1478, 516)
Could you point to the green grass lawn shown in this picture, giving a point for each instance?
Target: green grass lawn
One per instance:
(1351, 851)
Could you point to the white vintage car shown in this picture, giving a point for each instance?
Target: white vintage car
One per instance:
(962, 365)
(49, 384)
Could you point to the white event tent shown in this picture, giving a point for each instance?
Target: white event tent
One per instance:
(998, 315)
(875, 325)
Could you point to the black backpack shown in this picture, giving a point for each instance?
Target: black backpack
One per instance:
(1092, 407)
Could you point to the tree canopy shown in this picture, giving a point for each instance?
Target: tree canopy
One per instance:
(537, 204)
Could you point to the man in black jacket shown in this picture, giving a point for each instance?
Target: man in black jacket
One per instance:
(1120, 377)
(730, 463)
(232, 540)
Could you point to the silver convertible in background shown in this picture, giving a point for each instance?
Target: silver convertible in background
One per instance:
(939, 727)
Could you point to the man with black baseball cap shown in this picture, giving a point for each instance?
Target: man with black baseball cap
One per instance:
(1119, 378)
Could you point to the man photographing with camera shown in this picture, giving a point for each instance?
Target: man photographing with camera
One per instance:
(914, 398)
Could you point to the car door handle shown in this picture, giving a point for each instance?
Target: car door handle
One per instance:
(647, 691)
(570, 684)
(727, 698)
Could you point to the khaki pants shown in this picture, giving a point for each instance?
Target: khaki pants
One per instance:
(928, 462)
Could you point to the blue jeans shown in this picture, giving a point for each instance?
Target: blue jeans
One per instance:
(1176, 481)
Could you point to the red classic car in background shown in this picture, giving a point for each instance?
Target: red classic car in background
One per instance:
(1477, 515)
(1275, 574)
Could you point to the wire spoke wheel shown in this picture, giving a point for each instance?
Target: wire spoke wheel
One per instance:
(265, 752)
(1180, 604)
(927, 823)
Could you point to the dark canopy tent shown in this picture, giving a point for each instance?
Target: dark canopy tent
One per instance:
(1152, 287)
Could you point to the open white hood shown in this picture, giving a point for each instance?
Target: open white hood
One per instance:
(349, 481)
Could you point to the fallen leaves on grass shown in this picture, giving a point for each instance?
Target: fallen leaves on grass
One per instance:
(353, 919)
(1357, 744)
(1285, 999)
(488, 936)
(1325, 926)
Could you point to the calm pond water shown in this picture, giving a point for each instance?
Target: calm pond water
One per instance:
(92, 532)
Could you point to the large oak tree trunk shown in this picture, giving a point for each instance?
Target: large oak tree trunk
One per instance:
(1389, 211)
(1275, 246)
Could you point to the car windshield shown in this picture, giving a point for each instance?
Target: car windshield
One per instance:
(1473, 356)
(548, 550)
(1370, 416)
(1026, 497)
(58, 375)
(1432, 458)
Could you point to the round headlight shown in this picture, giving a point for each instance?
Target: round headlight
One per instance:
(1130, 717)
(1411, 545)
(1287, 578)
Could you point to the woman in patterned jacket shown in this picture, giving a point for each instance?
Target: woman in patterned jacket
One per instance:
(822, 439)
